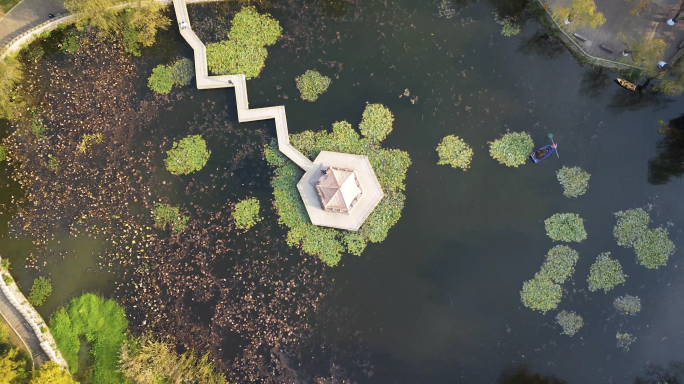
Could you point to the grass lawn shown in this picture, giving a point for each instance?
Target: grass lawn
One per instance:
(6, 5)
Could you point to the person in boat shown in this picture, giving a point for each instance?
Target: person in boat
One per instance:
(541, 152)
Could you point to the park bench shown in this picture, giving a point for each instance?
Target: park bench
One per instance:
(607, 48)
(681, 44)
(580, 37)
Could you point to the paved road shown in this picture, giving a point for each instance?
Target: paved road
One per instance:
(16, 321)
(25, 16)
(626, 18)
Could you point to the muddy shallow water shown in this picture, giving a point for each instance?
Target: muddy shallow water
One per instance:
(438, 301)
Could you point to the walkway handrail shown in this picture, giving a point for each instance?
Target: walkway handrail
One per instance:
(28, 349)
(239, 82)
(618, 63)
(21, 304)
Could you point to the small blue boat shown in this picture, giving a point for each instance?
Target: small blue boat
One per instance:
(542, 153)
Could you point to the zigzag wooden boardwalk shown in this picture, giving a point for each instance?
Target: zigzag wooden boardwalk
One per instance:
(239, 83)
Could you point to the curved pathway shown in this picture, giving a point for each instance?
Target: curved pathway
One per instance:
(204, 81)
(28, 324)
(23, 330)
(26, 15)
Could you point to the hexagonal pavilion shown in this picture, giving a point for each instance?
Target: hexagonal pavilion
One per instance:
(340, 190)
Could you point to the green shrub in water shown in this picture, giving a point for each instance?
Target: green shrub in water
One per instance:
(246, 213)
(565, 227)
(40, 291)
(312, 84)
(187, 156)
(605, 273)
(165, 215)
(390, 167)
(570, 321)
(164, 77)
(559, 264)
(627, 305)
(631, 225)
(452, 150)
(541, 294)
(3, 153)
(624, 340)
(512, 149)
(376, 122)
(574, 181)
(102, 323)
(653, 249)
(244, 52)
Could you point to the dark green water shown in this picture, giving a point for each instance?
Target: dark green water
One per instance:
(438, 301)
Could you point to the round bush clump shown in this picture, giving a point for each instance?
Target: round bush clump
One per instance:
(376, 122)
(574, 181)
(565, 227)
(187, 156)
(628, 305)
(455, 152)
(246, 213)
(541, 294)
(512, 149)
(605, 273)
(570, 321)
(631, 225)
(40, 291)
(653, 249)
(161, 80)
(312, 84)
(559, 264)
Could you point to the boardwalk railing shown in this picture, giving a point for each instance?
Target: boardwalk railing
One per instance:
(204, 81)
(33, 319)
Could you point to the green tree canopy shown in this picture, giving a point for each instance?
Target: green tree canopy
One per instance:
(11, 74)
(11, 366)
(581, 13)
(187, 155)
(51, 373)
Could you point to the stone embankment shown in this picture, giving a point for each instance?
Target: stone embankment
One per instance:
(28, 324)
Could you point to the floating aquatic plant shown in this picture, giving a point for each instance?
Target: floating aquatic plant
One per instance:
(628, 305)
(565, 227)
(3, 153)
(559, 264)
(570, 321)
(87, 141)
(455, 152)
(574, 181)
(312, 84)
(605, 273)
(654, 248)
(187, 155)
(376, 122)
(512, 149)
(509, 27)
(541, 294)
(164, 77)
(246, 213)
(631, 225)
(244, 53)
(40, 291)
(624, 340)
(165, 216)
